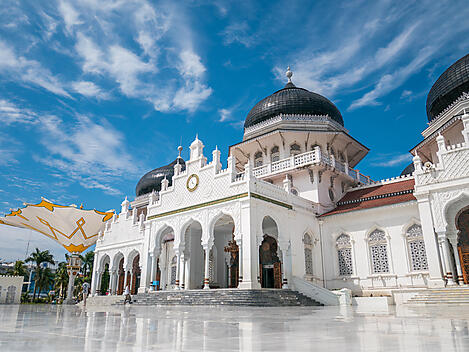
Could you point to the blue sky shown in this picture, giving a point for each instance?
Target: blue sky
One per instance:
(94, 93)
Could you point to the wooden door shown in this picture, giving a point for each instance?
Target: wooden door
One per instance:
(464, 259)
(120, 287)
(158, 275)
(278, 275)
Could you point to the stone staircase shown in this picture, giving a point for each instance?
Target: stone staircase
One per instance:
(457, 295)
(225, 297)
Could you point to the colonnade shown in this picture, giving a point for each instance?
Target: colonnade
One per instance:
(448, 246)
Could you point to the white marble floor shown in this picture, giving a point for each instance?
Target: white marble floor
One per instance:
(55, 328)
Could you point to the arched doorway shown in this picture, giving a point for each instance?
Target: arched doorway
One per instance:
(193, 257)
(462, 224)
(121, 275)
(164, 276)
(224, 255)
(104, 285)
(270, 267)
(135, 283)
(104, 275)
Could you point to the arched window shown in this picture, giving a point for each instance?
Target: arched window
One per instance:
(173, 270)
(295, 149)
(308, 244)
(378, 252)
(315, 145)
(274, 154)
(416, 248)
(344, 253)
(258, 159)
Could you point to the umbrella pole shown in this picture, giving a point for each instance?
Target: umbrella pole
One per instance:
(73, 267)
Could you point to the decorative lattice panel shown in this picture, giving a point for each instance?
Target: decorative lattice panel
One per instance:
(309, 261)
(345, 261)
(379, 258)
(418, 255)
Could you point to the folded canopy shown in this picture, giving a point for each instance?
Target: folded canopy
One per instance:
(74, 228)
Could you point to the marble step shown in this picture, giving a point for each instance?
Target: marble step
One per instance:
(234, 297)
(459, 295)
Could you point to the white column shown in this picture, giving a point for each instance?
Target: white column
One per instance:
(94, 280)
(126, 274)
(454, 244)
(206, 267)
(284, 268)
(114, 282)
(240, 261)
(178, 257)
(112, 274)
(446, 254)
(435, 264)
(250, 248)
(153, 270)
(182, 271)
(98, 281)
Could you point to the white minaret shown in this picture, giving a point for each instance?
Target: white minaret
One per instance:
(197, 149)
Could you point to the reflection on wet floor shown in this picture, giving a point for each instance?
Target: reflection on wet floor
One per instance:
(49, 328)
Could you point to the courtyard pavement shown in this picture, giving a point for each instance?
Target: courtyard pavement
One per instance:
(36, 328)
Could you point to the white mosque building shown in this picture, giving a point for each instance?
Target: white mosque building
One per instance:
(292, 211)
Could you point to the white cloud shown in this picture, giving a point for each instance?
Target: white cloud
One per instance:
(70, 16)
(393, 160)
(10, 113)
(225, 114)
(389, 82)
(191, 96)
(125, 67)
(92, 55)
(190, 65)
(89, 89)
(238, 32)
(29, 71)
(92, 153)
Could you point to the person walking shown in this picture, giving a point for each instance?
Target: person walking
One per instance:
(127, 296)
(86, 291)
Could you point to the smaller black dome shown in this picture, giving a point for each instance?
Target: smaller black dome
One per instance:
(409, 169)
(151, 181)
(292, 100)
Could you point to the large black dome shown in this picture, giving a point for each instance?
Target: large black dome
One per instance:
(292, 100)
(448, 87)
(151, 181)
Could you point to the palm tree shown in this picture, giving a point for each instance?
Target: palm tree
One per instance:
(61, 279)
(39, 257)
(87, 263)
(19, 269)
(44, 279)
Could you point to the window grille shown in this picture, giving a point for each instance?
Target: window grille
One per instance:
(308, 249)
(416, 248)
(378, 252)
(274, 154)
(258, 159)
(295, 149)
(344, 254)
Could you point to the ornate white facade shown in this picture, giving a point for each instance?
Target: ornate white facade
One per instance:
(290, 208)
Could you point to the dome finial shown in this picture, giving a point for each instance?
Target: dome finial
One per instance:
(289, 74)
(179, 151)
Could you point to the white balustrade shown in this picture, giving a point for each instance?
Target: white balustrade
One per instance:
(308, 158)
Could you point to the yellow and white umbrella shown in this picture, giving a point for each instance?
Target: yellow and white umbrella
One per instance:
(74, 228)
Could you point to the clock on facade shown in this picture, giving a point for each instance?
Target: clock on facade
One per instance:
(192, 182)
